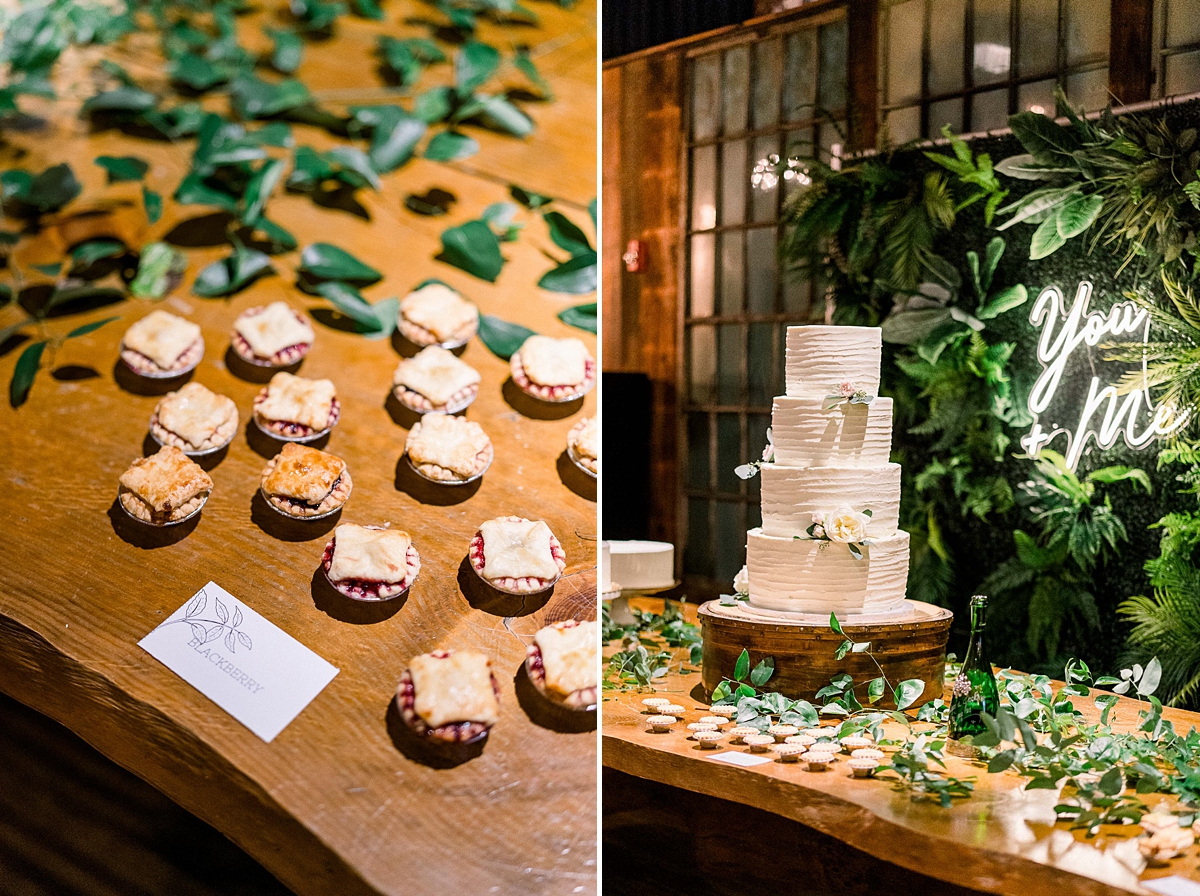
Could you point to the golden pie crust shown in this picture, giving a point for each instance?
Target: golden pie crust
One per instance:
(194, 419)
(435, 314)
(583, 442)
(305, 482)
(165, 487)
(448, 448)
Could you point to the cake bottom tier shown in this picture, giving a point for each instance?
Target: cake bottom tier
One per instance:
(806, 576)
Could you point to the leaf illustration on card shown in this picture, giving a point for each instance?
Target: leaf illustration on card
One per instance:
(197, 605)
(199, 632)
(245, 640)
(229, 642)
(213, 633)
(222, 613)
(237, 616)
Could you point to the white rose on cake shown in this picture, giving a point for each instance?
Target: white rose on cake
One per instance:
(741, 582)
(846, 526)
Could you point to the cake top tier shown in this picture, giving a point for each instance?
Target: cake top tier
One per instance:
(820, 359)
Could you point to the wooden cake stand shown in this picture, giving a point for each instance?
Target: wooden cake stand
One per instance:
(911, 644)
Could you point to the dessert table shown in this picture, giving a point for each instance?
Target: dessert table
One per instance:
(334, 804)
(846, 834)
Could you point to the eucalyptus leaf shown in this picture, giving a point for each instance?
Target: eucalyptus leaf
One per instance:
(526, 66)
(323, 261)
(762, 673)
(531, 200)
(152, 202)
(287, 52)
(121, 99)
(123, 168)
(497, 113)
(501, 337)
(90, 328)
(160, 269)
(581, 316)
(373, 321)
(578, 276)
(259, 190)
(566, 235)
(474, 248)
(355, 167)
(742, 667)
(196, 190)
(230, 274)
(908, 692)
(281, 239)
(394, 135)
(254, 98)
(433, 105)
(197, 72)
(474, 64)
(87, 254)
(451, 146)
(24, 373)
(52, 189)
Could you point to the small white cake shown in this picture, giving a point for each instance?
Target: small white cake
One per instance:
(642, 565)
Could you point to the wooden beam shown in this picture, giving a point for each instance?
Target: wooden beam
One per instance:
(862, 23)
(1131, 65)
(612, 222)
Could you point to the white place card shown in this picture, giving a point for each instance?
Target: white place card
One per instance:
(1173, 886)
(249, 667)
(746, 760)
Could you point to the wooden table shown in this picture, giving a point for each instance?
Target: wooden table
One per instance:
(333, 805)
(1003, 840)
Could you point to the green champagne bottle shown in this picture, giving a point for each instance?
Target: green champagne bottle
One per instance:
(974, 690)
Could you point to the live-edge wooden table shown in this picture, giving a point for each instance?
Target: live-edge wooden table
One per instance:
(334, 805)
(1002, 840)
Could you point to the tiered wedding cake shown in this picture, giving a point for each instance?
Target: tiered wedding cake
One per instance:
(830, 541)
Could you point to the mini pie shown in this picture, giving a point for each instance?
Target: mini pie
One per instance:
(437, 315)
(583, 440)
(274, 335)
(561, 663)
(450, 696)
(553, 369)
(164, 488)
(293, 407)
(448, 448)
(161, 344)
(435, 380)
(304, 482)
(517, 555)
(370, 563)
(194, 419)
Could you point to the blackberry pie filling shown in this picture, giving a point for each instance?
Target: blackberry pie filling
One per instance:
(516, 555)
(435, 381)
(435, 314)
(553, 369)
(561, 663)
(293, 407)
(449, 696)
(370, 562)
(274, 335)
(162, 344)
(305, 483)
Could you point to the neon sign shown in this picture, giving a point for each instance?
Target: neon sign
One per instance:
(1106, 414)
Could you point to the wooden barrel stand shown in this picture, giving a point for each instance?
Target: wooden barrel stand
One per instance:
(805, 653)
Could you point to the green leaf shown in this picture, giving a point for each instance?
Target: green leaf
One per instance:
(762, 672)
(195, 190)
(374, 321)
(24, 373)
(273, 133)
(1005, 300)
(526, 66)
(566, 235)
(1077, 215)
(122, 99)
(153, 204)
(434, 104)
(577, 276)
(835, 625)
(325, 262)
(90, 328)
(908, 692)
(281, 239)
(1112, 781)
(355, 167)
(160, 268)
(368, 9)
(1001, 761)
(1041, 136)
(529, 199)
(842, 649)
(259, 189)
(1036, 204)
(474, 248)
(254, 98)
(1150, 679)
(875, 688)
(122, 168)
(742, 667)
(287, 52)
(394, 135)
(581, 316)
(497, 113)
(197, 72)
(52, 189)
(230, 274)
(450, 146)
(501, 337)
(86, 254)
(474, 64)
(1046, 239)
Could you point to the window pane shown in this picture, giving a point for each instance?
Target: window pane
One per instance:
(1037, 97)
(829, 144)
(698, 461)
(706, 97)
(729, 453)
(737, 89)
(989, 110)
(765, 197)
(768, 73)
(992, 53)
(797, 294)
(904, 124)
(704, 201)
(904, 38)
(760, 267)
(732, 272)
(1039, 37)
(945, 112)
(730, 541)
(702, 275)
(799, 145)
(1183, 25)
(761, 364)
(832, 93)
(731, 352)
(1183, 73)
(703, 360)
(800, 82)
(1087, 29)
(946, 21)
(698, 556)
(1088, 89)
(735, 173)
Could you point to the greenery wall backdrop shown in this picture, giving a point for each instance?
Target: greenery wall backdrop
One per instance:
(935, 245)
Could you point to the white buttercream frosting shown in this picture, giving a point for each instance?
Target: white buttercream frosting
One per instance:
(807, 434)
(821, 358)
(806, 576)
(791, 495)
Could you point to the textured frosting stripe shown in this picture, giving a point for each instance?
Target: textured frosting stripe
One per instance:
(790, 496)
(801, 576)
(819, 358)
(806, 434)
